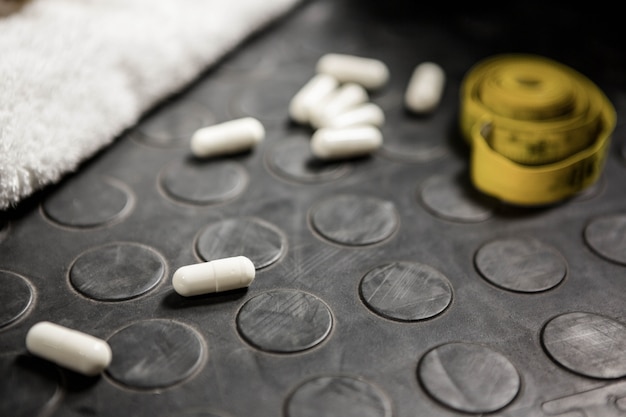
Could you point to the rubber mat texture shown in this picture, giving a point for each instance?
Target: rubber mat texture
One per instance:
(385, 286)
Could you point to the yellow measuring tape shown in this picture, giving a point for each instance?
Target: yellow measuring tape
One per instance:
(538, 130)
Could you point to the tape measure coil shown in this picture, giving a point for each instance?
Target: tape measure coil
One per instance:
(539, 130)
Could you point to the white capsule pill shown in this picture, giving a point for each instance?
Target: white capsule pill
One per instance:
(214, 276)
(339, 143)
(363, 115)
(226, 138)
(425, 88)
(369, 72)
(313, 92)
(69, 348)
(344, 98)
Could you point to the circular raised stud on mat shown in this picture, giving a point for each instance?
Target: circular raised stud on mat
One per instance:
(588, 344)
(15, 298)
(284, 321)
(406, 291)
(154, 354)
(344, 396)
(521, 264)
(468, 377)
(355, 220)
(259, 241)
(117, 271)
(202, 183)
(605, 236)
(293, 160)
(173, 124)
(454, 199)
(89, 201)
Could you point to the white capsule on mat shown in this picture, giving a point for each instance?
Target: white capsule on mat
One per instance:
(226, 138)
(424, 90)
(369, 72)
(313, 92)
(344, 98)
(366, 114)
(332, 143)
(214, 276)
(69, 348)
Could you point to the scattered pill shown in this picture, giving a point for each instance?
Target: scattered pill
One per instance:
(69, 348)
(333, 143)
(214, 276)
(231, 137)
(425, 88)
(344, 98)
(317, 89)
(368, 72)
(365, 114)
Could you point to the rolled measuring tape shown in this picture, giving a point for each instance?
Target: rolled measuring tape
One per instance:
(538, 130)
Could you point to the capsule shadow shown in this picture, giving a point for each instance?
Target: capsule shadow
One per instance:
(175, 301)
(53, 374)
(198, 161)
(44, 369)
(75, 382)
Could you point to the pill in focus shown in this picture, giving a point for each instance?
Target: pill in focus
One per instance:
(214, 276)
(371, 73)
(69, 348)
(425, 88)
(316, 90)
(350, 142)
(344, 98)
(227, 138)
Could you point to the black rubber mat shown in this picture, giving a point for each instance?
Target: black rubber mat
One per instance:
(385, 286)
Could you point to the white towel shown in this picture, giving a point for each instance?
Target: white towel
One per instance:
(74, 74)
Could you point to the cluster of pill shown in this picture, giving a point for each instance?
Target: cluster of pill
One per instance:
(89, 355)
(335, 102)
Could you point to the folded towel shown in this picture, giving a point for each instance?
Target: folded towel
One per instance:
(74, 74)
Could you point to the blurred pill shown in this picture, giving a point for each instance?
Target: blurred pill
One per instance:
(425, 88)
(350, 142)
(214, 276)
(363, 115)
(231, 137)
(68, 348)
(371, 73)
(346, 97)
(317, 89)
